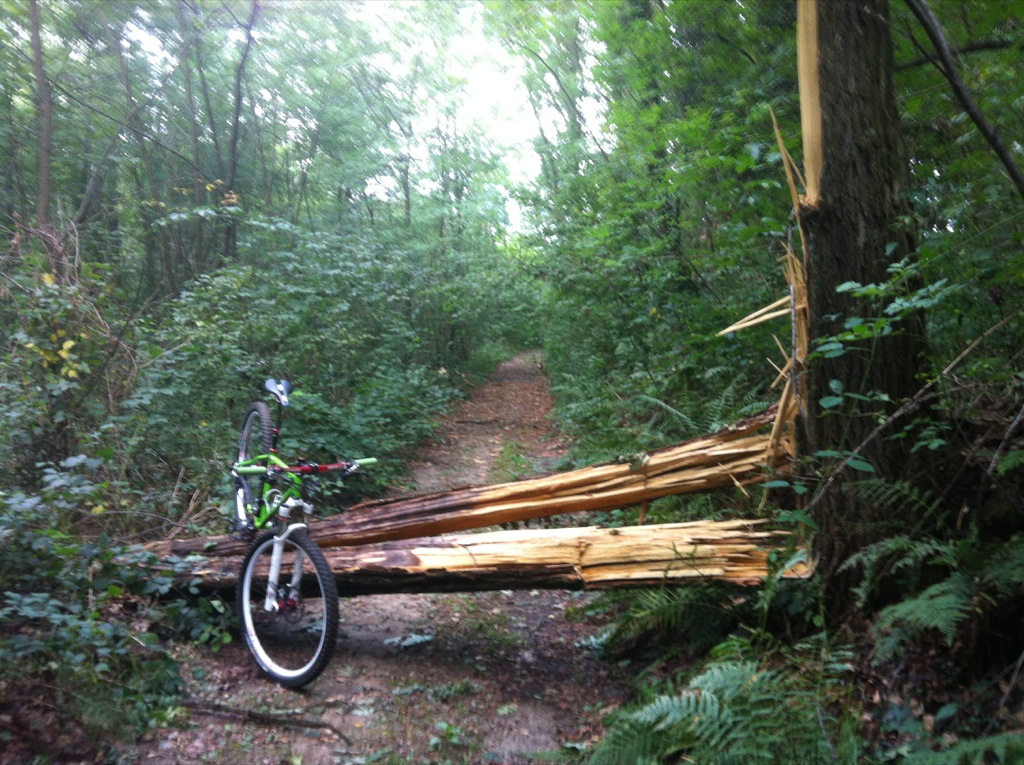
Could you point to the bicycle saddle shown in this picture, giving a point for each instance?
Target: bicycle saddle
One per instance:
(280, 389)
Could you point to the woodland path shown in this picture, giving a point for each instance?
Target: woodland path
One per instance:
(500, 677)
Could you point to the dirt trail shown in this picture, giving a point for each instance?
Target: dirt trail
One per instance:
(501, 677)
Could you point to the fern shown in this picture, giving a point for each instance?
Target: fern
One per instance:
(1003, 570)
(735, 397)
(888, 494)
(1005, 748)
(629, 742)
(899, 552)
(903, 552)
(686, 708)
(976, 574)
(683, 418)
(943, 607)
(717, 398)
(735, 712)
(697, 615)
(894, 555)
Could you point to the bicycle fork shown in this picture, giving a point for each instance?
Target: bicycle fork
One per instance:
(272, 602)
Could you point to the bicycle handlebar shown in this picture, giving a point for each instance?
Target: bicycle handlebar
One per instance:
(348, 466)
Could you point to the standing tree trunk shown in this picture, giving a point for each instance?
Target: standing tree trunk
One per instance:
(157, 248)
(230, 233)
(44, 112)
(854, 221)
(189, 39)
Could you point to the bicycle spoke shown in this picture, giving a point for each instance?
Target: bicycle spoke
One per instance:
(292, 632)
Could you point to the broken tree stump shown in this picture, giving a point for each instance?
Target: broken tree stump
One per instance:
(583, 558)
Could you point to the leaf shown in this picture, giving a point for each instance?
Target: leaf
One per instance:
(858, 464)
(800, 516)
(831, 349)
(407, 641)
(1012, 459)
(830, 402)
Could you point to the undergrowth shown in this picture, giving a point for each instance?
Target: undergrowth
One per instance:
(736, 675)
(742, 706)
(86, 636)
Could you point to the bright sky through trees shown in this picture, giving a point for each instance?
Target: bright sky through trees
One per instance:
(495, 100)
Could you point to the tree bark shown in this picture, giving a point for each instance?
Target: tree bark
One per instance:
(854, 231)
(566, 559)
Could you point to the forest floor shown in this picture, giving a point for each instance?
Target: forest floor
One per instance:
(500, 677)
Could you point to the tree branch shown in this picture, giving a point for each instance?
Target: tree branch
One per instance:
(270, 720)
(933, 29)
(973, 47)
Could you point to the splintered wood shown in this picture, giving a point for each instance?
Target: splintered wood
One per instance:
(396, 545)
(736, 456)
(583, 558)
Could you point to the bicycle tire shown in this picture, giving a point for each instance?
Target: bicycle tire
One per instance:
(257, 438)
(293, 644)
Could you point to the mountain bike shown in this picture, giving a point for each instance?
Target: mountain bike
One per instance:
(287, 600)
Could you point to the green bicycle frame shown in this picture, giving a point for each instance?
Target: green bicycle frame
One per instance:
(266, 510)
(270, 505)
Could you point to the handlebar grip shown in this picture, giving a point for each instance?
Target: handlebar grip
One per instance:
(366, 461)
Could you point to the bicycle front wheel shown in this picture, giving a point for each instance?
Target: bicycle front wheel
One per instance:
(290, 625)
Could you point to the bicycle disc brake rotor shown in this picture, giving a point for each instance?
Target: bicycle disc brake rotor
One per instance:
(289, 604)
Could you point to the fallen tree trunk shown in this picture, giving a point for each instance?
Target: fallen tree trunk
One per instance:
(735, 456)
(571, 559)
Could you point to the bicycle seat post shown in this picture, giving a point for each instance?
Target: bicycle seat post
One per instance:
(280, 390)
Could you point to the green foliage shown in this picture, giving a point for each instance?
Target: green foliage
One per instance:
(511, 464)
(177, 276)
(946, 577)
(56, 366)
(81, 620)
(74, 633)
(347, 322)
(1005, 748)
(734, 710)
(966, 208)
(148, 319)
(361, 250)
(659, 230)
(909, 742)
(448, 735)
(696, 617)
(942, 607)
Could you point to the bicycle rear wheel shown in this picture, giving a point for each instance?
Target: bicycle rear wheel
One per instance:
(292, 633)
(257, 438)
